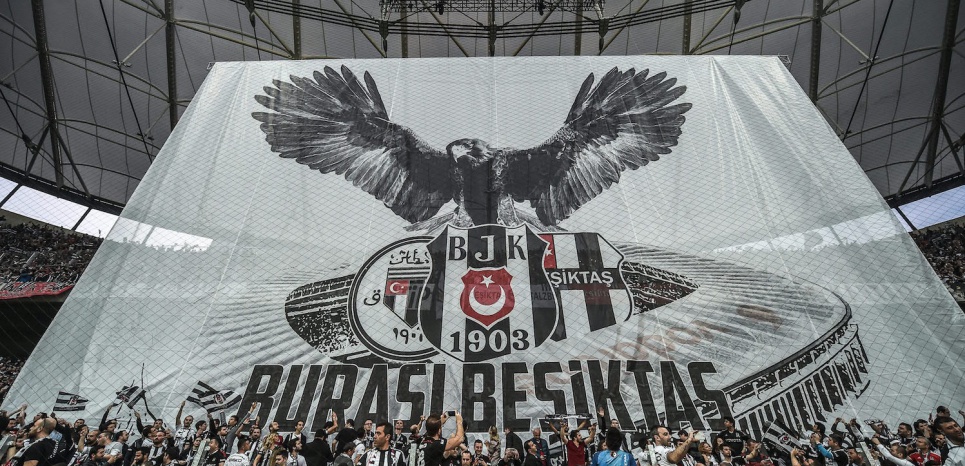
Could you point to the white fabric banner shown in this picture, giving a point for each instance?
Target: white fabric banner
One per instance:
(677, 239)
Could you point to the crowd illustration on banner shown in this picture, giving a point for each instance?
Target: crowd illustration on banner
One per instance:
(122, 437)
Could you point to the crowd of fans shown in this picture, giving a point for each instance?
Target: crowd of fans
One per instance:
(9, 368)
(41, 253)
(47, 440)
(944, 247)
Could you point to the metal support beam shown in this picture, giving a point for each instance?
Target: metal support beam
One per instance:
(81, 219)
(492, 28)
(169, 32)
(921, 192)
(685, 46)
(905, 217)
(36, 150)
(45, 186)
(911, 169)
(815, 49)
(297, 29)
(357, 26)
(404, 38)
(578, 38)
(542, 21)
(602, 20)
(10, 194)
(73, 164)
(47, 79)
(941, 88)
(951, 147)
(429, 9)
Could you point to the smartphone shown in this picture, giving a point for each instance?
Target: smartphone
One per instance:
(451, 413)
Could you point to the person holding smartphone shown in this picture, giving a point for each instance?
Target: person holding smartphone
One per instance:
(433, 446)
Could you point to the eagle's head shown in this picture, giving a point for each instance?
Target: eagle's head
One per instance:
(475, 151)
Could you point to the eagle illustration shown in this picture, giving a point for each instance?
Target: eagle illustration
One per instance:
(333, 123)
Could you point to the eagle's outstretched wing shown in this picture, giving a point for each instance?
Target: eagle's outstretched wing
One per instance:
(333, 124)
(622, 123)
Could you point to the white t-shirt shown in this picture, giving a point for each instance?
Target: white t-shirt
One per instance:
(113, 449)
(237, 459)
(662, 453)
(956, 455)
(294, 461)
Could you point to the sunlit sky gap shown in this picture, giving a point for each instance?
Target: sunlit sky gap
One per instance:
(49, 209)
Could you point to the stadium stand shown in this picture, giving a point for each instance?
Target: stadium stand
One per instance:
(37, 259)
(9, 368)
(944, 247)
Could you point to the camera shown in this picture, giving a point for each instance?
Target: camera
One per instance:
(450, 413)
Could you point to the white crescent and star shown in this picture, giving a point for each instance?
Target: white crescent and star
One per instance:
(488, 309)
(396, 287)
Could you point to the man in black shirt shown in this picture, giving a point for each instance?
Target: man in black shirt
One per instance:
(513, 440)
(433, 445)
(835, 445)
(297, 434)
(215, 455)
(477, 453)
(542, 447)
(510, 458)
(41, 452)
(318, 452)
(532, 455)
(345, 436)
(733, 438)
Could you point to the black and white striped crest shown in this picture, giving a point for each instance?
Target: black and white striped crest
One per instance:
(487, 295)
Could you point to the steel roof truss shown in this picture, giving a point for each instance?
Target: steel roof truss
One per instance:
(47, 79)
(172, 67)
(845, 39)
(444, 28)
(952, 148)
(941, 86)
(73, 165)
(281, 42)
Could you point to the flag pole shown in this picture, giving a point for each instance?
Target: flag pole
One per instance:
(144, 398)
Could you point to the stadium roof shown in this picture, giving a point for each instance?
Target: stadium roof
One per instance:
(91, 89)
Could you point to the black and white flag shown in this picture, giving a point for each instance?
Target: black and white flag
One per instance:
(211, 399)
(70, 402)
(129, 395)
(779, 436)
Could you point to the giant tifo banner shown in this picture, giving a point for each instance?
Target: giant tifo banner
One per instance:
(674, 239)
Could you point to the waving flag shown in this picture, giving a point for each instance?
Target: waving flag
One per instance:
(213, 400)
(70, 402)
(129, 395)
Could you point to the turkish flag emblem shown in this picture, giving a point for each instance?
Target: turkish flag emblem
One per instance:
(487, 295)
(396, 287)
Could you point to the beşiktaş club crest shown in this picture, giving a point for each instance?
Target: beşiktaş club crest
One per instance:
(484, 292)
(491, 282)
